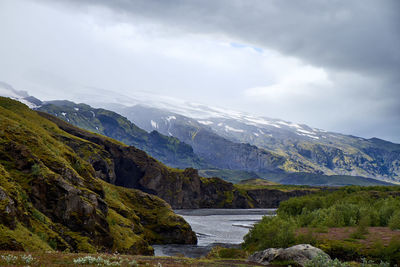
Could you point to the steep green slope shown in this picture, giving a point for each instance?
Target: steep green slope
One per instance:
(168, 150)
(51, 197)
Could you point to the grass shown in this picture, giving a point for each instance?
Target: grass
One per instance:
(284, 188)
(8, 258)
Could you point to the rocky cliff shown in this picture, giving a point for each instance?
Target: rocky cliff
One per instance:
(130, 167)
(54, 193)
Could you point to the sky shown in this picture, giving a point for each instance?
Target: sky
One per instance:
(333, 65)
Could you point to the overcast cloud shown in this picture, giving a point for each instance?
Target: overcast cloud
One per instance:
(330, 64)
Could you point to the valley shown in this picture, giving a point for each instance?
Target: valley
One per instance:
(118, 187)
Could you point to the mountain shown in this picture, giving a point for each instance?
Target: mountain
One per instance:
(55, 192)
(233, 141)
(170, 150)
(167, 149)
(285, 146)
(214, 149)
(133, 168)
(7, 90)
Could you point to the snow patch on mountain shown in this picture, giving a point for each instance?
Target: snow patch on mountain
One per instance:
(289, 124)
(169, 118)
(154, 124)
(305, 131)
(206, 122)
(258, 121)
(7, 90)
(228, 128)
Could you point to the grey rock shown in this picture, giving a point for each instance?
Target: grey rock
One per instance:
(299, 253)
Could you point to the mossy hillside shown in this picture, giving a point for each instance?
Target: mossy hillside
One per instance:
(52, 199)
(155, 218)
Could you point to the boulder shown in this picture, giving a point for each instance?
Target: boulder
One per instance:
(299, 254)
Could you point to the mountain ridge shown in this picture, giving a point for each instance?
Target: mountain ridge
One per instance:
(241, 142)
(337, 154)
(169, 150)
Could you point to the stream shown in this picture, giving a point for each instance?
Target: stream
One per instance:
(224, 227)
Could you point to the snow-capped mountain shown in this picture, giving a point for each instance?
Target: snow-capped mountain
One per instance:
(239, 141)
(304, 148)
(7, 90)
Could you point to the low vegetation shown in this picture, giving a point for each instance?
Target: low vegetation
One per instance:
(79, 259)
(254, 184)
(350, 223)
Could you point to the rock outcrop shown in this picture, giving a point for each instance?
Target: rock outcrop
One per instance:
(299, 254)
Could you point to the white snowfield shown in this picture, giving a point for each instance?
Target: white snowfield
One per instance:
(19, 96)
(219, 119)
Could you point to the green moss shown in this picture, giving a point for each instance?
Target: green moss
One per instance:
(22, 236)
(81, 243)
(125, 239)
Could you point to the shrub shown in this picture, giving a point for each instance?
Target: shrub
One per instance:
(271, 232)
(370, 263)
(394, 221)
(227, 253)
(361, 229)
(390, 253)
(322, 260)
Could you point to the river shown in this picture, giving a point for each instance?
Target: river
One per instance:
(225, 227)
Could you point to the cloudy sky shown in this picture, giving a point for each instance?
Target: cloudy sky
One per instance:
(334, 65)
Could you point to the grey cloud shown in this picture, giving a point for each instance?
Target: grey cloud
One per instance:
(359, 35)
(357, 43)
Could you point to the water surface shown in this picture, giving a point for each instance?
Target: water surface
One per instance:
(225, 227)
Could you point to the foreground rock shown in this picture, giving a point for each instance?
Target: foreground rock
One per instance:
(299, 254)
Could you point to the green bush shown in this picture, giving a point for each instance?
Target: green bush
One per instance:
(271, 232)
(361, 229)
(390, 253)
(324, 261)
(227, 253)
(353, 206)
(345, 207)
(394, 221)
